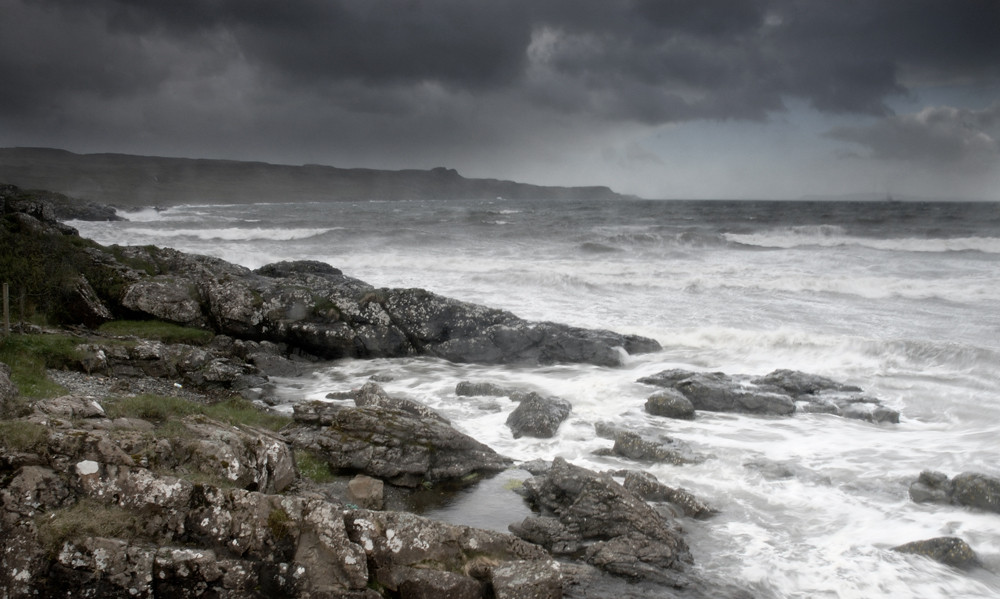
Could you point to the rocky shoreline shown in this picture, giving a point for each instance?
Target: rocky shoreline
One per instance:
(101, 499)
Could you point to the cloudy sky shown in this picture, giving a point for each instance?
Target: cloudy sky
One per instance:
(659, 98)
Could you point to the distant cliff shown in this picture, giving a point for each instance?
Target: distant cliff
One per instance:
(125, 180)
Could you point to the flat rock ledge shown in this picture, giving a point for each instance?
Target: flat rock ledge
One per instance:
(780, 393)
(398, 441)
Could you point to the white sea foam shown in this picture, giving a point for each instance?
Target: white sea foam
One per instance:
(233, 233)
(833, 236)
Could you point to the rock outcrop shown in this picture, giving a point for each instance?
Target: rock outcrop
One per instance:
(615, 529)
(306, 306)
(969, 489)
(780, 393)
(91, 506)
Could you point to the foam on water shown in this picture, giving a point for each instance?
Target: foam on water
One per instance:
(899, 300)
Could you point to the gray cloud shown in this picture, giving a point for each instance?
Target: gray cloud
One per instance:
(391, 82)
(936, 136)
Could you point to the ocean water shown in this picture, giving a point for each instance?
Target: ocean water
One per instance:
(900, 299)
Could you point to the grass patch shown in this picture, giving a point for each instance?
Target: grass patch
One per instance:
(86, 518)
(23, 436)
(157, 330)
(29, 355)
(164, 411)
(313, 468)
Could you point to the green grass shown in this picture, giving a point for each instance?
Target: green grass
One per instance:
(164, 410)
(157, 330)
(312, 467)
(19, 435)
(86, 518)
(29, 355)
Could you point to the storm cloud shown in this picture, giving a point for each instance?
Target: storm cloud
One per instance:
(386, 82)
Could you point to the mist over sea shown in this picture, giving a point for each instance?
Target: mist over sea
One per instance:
(899, 298)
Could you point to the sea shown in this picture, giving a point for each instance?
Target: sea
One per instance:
(899, 298)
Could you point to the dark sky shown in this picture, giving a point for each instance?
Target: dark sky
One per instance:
(661, 98)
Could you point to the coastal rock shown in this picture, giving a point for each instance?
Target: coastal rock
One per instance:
(306, 306)
(779, 393)
(537, 416)
(950, 551)
(670, 404)
(969, 489)
(624, 535)
(418, 557)
(371, 394)
(647, 486)
(165, 298)
(391, 444)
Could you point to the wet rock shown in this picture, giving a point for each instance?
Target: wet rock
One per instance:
(779, 393)
(393, 445)
(537, 416)
(931, 487)
(950, 551)
(371, 394)
(671, 404)
(976, 490)
(624, 535)
(970, 489)
(470, 389)
(798, 383)
(647, 486)
(631, 445)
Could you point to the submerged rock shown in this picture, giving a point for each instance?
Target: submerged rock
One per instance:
(950, 551)
(633, 446)
(779, 393)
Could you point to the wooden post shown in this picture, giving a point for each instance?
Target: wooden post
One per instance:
(6, 310)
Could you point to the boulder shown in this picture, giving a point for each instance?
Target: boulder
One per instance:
(970, 489)
(392, 444)
(950, 551)
(538, 579)
(418, 557)
(69, 407)
(976, 490)
(623, 534)
(671, 404)
(537, 416)
(366, 492)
